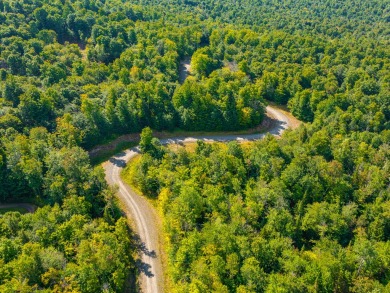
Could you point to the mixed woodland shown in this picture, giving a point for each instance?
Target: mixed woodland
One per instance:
(309, 212)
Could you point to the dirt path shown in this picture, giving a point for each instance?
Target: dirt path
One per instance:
(269, 123)
(146, 222)
(29, 207)
(184, 69)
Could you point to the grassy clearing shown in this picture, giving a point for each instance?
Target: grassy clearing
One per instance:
(104, 155)
(6, 210)
(191, 146)
(185, 133)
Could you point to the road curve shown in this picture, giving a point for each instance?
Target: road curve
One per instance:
(27, 206)
(143, 214)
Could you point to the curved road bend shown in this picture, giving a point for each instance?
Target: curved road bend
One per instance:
(143, 214)
(27, 206)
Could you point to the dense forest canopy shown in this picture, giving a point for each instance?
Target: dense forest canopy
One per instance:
(305, 213)
(332, 18)
(112, 68)
(308, 212)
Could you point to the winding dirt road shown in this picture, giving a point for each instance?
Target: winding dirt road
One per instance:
(143, 214)
(27, 206)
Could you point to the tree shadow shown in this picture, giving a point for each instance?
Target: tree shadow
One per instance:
(184, 69)
(118, 162)
(277, 126)
(140, 246)
(144, 268)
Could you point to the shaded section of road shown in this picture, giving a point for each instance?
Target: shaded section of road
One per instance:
(184, 69)
(27, 206)
(146, 222)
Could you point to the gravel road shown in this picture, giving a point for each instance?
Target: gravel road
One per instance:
(143, 214)
(27, 206)
(184, 69)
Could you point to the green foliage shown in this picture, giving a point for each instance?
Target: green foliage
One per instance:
(62, 248)
(150, 145)
(291, 215)
(224, 101)
(79, 242)
(202, 63)
(307, 213)
(114, 67)
(300, 106)
(356, 17)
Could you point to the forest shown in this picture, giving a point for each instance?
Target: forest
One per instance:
(308, 212)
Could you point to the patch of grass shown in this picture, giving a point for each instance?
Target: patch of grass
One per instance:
(104, 155)
(6, 210)
(189, 147)
(247, 145)
(184, 133)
